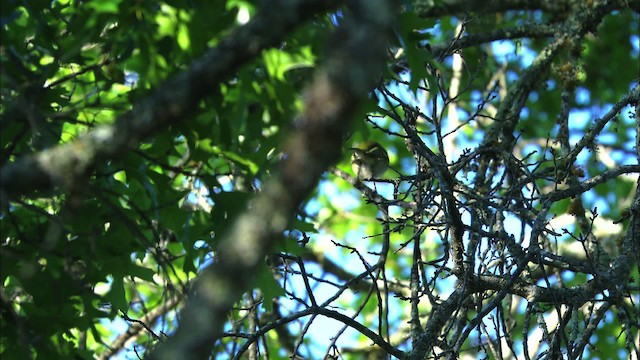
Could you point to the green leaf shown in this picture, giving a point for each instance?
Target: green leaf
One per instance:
(411, 32)
(278, 62)
(269, 287)
(104, 6)
(116, 296)
(303, 226)
(141, 272)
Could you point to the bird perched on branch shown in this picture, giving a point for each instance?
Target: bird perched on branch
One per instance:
(369, 160)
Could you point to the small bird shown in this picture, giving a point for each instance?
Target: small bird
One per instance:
(369, 160)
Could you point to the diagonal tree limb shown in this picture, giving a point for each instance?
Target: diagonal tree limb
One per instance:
(436, 9)
(357, 57)
(66, 164)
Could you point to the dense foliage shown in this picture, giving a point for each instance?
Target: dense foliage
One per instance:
(175, 179)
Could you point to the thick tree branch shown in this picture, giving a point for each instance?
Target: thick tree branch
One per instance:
(429, 9)
(357, 56)
(174, 101)
(530, 30)
(589, 184)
